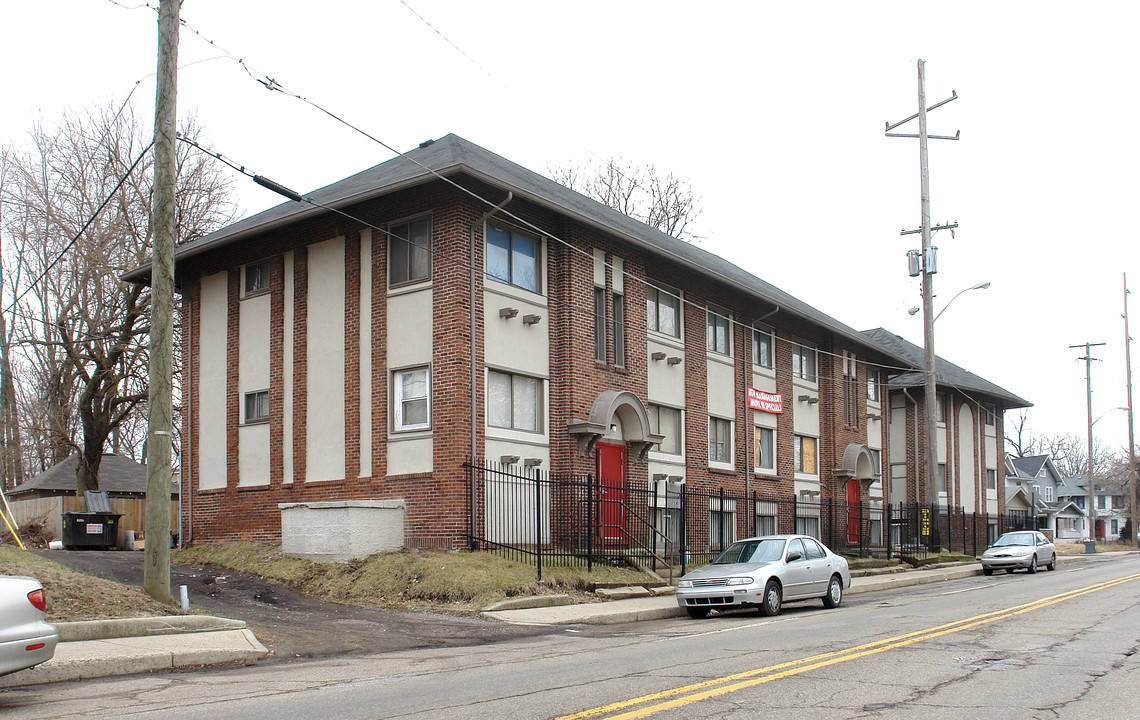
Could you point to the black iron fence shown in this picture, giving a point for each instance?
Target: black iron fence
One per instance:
(562, 519)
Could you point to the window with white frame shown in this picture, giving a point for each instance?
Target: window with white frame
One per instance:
(803, 362)
(991, 479)
(942, 478)
(719, 332)
(411, 399)
(876, 461)
(1047, 493)
(720, 440)
(1101, 502)
(762, 348)
(942, 408)
(666, 421)
(990, 413)
(513, 258)
(257, 406)
(806, 455)
(663, 311)
(514, 401)
(257, 278)
(409, 252)
(765, 456)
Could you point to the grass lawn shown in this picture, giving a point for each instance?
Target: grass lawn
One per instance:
(74, 596)
(449, 581)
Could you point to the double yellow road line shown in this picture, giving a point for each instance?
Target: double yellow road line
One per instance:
(646, 705)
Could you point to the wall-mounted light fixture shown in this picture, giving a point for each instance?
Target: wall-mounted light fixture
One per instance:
(508, 312)
(674, 360)
(613, 428)
(531, 319)
(658, 355)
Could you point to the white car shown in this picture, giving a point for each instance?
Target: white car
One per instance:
(764, 572)
(25, 639)
(1020, 550)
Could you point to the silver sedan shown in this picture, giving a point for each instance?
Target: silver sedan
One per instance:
(1021, 550)
(25, 639)
(765, 572)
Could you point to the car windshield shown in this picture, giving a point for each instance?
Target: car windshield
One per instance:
(751, 551)
(1015, 539)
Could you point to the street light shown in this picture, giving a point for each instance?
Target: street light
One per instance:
(930, 386)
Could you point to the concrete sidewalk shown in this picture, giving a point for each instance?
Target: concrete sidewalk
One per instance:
(135, 645)
(665, 606)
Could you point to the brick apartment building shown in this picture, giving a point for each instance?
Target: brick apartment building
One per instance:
(456, 305)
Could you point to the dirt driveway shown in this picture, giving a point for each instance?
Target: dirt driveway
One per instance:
(291, 625)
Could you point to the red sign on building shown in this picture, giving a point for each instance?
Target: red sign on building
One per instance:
(766, 401)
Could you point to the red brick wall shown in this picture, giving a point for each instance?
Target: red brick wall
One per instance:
(437, 501)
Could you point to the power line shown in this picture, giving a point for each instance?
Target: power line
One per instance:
(83, 229)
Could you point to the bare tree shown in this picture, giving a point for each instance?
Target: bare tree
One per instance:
(660, 200)
(1019, 439)
(82, 330)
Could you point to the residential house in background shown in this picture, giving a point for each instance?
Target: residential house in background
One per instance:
(1034, 486)
(1110, 509)
(457, 309)
(53, 492)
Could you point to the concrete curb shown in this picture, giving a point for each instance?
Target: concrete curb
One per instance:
(144, 626)
(108, 648)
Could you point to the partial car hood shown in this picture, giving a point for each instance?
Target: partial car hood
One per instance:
(730, 570)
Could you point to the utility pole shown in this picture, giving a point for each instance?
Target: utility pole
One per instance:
(1134, 497)
(928, 268)
(156, 568)
(1088, 358)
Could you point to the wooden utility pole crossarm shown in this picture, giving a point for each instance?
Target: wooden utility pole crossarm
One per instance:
(156, 572)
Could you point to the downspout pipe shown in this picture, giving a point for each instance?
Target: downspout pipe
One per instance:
(475, 228)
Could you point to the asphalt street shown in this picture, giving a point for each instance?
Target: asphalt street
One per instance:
(1056, 644)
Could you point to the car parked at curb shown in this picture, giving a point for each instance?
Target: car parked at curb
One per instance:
(764, 573)
(25, 639)
(1019, 550)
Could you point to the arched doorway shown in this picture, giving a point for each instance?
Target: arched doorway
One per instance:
(616, 429)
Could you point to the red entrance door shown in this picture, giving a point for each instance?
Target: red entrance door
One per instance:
(852, 512)
(611, 491)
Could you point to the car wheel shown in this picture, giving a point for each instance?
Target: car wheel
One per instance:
(1052, 563)
(834, 596)
(773, 597)
(987, 571)
(697, 612)
(1032, 565)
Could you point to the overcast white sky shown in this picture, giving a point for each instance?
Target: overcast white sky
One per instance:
(774, 111)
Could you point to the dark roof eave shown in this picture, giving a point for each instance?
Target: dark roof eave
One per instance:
(142, 273)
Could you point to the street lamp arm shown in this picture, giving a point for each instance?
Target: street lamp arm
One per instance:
(979, 286)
